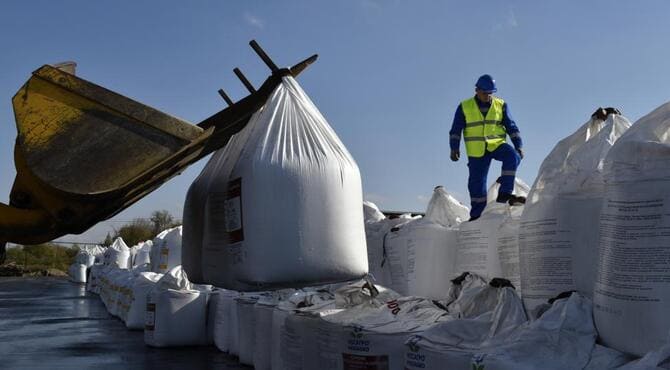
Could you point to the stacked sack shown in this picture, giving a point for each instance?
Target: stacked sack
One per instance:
(298, 319)
(373, 336)
(489, 246)
(559, 234)
(140, 254)
(501, 338)
(176, 313)
(137, 307)
(77, 273)
(633, 280)
(117, 254)
(283, 205)
(422, 253)
(166, 250)
(194, 217)
(377, 229)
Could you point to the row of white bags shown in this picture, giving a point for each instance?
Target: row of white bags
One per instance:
(345, 326)
(484, 327)
(170, 310)
(162, 253)
(596, 221)
(420, 256)
(595, 218)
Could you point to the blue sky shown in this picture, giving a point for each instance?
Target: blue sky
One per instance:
(389, 77)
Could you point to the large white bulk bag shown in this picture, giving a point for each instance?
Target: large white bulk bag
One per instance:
(371, 213)
(142, 253)
(291, 336)
(166, 250)
(212, 311)
(562, 338)
(85, 257)
(118, 254)
(194, 217)
(222, 324)
(87, 254)
(299, 341)
(285, 207)
(297, 318)
(93, 279)
(246, 330)
(263, 315)
(422, 253)
(78, 273)
(376, 236)
(489, 246)
(176, 314)
(633, 283)
(112, 289)
(367, 337)
(263, 312)
(607, 358)
(558, 232)
(141, 287)
(125, 294)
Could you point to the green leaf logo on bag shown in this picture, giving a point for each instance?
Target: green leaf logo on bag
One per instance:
(477, 362)
(413, 344)
(357, 332)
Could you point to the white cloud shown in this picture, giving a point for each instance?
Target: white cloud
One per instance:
(509, 22)
(511, 19)
(254, 21)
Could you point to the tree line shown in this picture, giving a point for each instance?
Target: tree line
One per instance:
(53, 255)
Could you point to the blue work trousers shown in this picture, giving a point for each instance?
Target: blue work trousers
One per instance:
(479, 169)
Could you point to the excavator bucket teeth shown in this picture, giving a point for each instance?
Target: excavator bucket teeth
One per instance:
(84, 139)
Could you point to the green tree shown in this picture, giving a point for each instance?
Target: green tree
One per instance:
(136, 231)
(161, 220)
(108, 240)
(42, 256)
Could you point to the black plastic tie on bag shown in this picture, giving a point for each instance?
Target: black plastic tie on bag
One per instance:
(460, 279)
(439, 305)
(302, 304)
(370, 286)
(501, 283)
(384, 253)
(562, 295)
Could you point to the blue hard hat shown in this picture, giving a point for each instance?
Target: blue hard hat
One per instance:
(486, 83)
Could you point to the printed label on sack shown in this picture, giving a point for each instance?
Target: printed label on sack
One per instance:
(414, 359)
(164, 255)
(358, 362)
(233, 211)
(150, 318)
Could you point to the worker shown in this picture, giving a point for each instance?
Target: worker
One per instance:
(485, 121)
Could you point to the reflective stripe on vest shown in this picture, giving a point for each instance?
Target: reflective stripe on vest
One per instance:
(483, 133)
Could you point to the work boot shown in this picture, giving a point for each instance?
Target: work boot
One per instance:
(516, 200)
(511, 199)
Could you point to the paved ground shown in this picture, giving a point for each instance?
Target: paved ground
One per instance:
(51, 323)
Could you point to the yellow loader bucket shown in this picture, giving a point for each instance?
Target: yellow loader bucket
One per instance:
(81, 138)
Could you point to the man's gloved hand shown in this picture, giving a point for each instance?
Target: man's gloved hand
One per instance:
(455, 155)
(520, 151)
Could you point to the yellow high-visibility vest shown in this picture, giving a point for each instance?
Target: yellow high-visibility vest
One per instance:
(481, 133)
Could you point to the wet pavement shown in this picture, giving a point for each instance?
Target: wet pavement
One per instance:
(51, 323)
